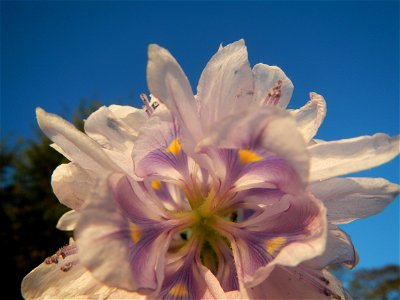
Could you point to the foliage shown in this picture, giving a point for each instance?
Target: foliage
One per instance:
(382, 283)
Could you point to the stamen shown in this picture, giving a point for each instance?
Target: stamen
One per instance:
(179, 290)
(272, 245)
(135, 231)
(247, 156)
(63, 252)
(148, 108)
(155, 184)
(274, 94)
(174, 147)
(68, 266)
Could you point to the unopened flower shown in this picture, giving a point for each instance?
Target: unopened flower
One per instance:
(219, 195)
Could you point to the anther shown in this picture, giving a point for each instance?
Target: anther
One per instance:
(323, 279)
(51, 260)
(274, 94)
(63, 252)
(148, 108)
(68, 266)
(67, 250)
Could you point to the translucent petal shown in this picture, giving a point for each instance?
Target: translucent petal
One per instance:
(115, 128)
(331, 159)
(225, 85)
(339, 250)
(266, 78)
(349, 199)
(72, 184)
(114, 241)
(78, 146)
(169, 84)
(310, 117)
(68, 220)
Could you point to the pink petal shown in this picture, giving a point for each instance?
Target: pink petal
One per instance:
(294, 283)
(301, 230)
(151, 154)
(267, 128)
(190, 280)
(109, 248)
(271, 172)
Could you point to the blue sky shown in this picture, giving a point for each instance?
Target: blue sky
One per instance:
(53, 54)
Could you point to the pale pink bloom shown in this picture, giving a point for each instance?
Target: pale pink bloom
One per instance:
(219, 195)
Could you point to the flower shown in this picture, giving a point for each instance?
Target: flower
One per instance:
(220, 195)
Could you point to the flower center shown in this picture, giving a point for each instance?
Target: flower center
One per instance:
(203, 230)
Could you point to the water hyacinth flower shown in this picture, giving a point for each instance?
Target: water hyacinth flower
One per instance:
(224, 194)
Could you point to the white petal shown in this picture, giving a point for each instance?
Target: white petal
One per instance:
(265, 79)
(68, 221)
(115, 128)
(349, 199)
(108, 128)
(77, 145)
(310, 117)
(49, 282)
(226, 84)
(331, 159)
(339, 250)
(72, 185)
(169, 84)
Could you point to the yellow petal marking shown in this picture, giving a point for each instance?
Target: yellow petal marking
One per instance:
(179, 290)
(135, 232)
(155, 184)
(274, 244)
(247, 156)
(174, 147)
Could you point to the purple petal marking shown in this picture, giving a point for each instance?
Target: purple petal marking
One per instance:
(226, 273)
(263, 173)
(188, 279)
(257, 241)
(168, 83)
(150, 154)
(121, 229)
(133, 201)
(267, 128)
